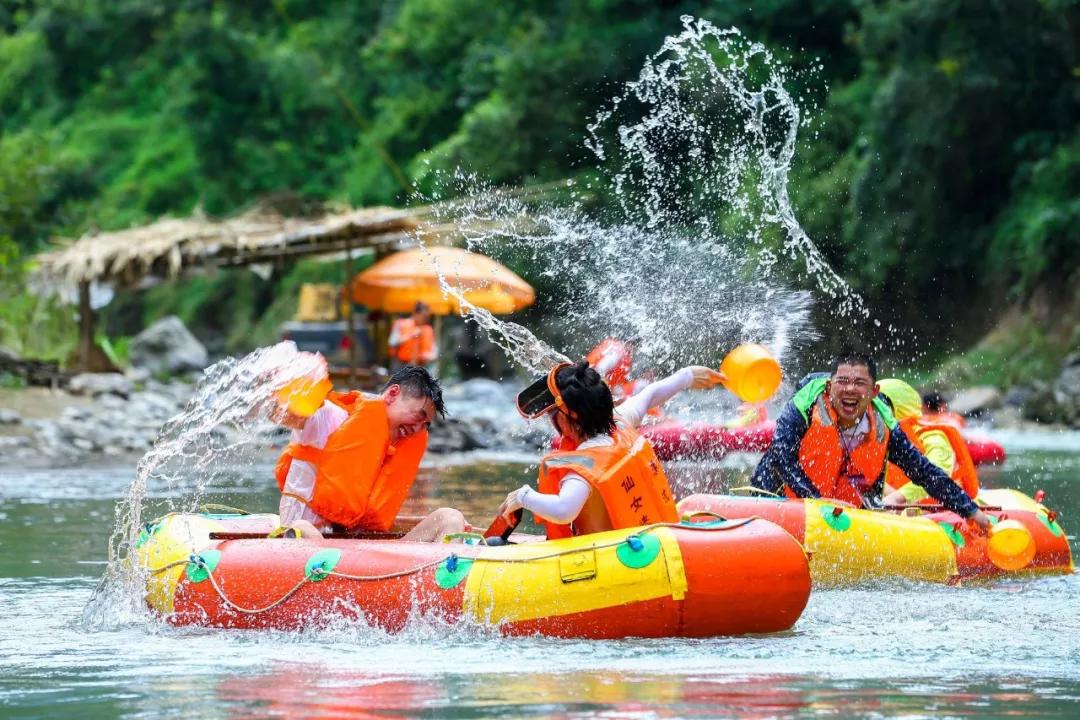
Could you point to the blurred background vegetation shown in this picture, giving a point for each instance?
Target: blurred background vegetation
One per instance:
(941, 174)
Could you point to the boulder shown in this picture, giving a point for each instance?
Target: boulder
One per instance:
(1040, 405)
(1019, 396)
(450, 435)
(9, 417)
(1066, 390)
(167, 347)
(976, 401)
(95, 384)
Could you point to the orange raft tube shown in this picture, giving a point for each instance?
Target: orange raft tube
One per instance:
(694, 579)
(848, 545)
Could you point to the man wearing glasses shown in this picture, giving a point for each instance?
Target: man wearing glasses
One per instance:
(835, 437)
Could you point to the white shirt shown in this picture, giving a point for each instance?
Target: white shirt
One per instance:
(301, 478)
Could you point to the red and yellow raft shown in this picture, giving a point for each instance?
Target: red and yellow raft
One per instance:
(664, 580)
(850, 546)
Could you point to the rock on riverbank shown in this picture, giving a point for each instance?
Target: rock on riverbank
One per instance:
(117, 417)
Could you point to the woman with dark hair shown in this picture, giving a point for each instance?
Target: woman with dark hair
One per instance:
(603, 475)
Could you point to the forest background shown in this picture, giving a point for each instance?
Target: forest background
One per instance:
(940, 175)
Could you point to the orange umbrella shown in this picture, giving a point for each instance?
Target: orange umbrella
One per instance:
(395, 284)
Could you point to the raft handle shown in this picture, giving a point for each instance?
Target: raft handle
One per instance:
(689, 517)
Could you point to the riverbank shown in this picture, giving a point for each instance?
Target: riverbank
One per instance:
(113, 420)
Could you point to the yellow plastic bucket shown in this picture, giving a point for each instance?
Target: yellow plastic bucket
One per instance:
(1011, 545)
(305, 394)
(753, 375)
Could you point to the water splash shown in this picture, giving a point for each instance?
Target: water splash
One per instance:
(216, 434)
(686, 241)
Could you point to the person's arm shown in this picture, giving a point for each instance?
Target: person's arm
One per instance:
(561, 509)
(924, 473)
(395, 338)
(657, 393)
(780, 466)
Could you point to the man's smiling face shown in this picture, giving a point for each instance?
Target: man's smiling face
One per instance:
(850, 390)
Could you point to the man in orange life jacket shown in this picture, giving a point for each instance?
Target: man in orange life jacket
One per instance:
(412, 339)
(604, 476)
(352, 463)
(835, 439)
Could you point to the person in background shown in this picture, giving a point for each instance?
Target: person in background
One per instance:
(604, 475)
(936, 410)
(941, 443)
(835, 438)
(352, 462)
(412, 339)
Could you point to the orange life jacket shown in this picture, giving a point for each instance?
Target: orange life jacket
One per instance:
(414, 350)
(627, 476)
(361, 480)
(623, 358)
(821, 454)
(944, 418)
(963, 473)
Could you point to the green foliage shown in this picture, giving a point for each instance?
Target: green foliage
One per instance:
(940, 169)
(960, 83)
(1038, 233)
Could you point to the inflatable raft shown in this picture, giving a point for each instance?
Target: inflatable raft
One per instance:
(849, 546)
(694, 579)
(672, 440)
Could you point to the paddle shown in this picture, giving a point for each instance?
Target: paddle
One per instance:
(500, 530)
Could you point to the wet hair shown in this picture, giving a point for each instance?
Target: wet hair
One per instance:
(934, 401)
(416, 381)
(849, 356)
(589, 397)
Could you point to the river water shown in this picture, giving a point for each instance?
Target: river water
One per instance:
(903, 650)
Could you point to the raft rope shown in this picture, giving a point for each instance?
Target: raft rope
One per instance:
(751, 491)
(211, 507)
(633, 540)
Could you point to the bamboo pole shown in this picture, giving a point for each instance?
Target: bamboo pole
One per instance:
(351, 328)
(86, 326)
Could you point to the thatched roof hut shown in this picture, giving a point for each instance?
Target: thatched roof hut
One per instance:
(271, 232)
(171, 246)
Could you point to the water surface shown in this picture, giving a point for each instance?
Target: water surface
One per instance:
(904, 650)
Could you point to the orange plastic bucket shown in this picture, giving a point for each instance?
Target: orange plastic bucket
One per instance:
(752, 373)
(1011, 545)
(305, 394)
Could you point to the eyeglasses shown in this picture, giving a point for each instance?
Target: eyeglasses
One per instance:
(543, 396)
(857, 383)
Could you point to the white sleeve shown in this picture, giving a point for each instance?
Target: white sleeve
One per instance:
(608, 361)
(561, 508)
(653, 395)
(395, 338)
(318, 427)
